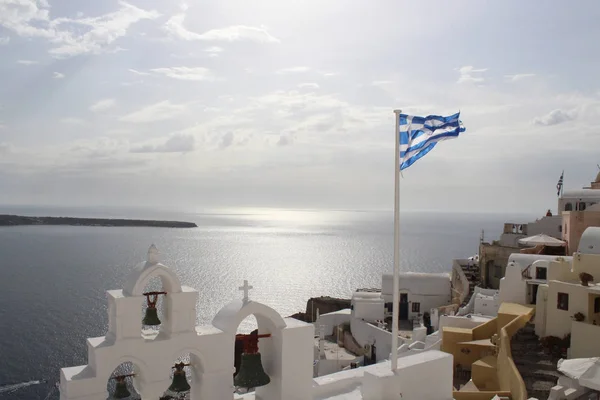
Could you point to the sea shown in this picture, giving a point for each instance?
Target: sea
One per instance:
(54, 278)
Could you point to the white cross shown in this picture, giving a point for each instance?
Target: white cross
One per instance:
(245, 288)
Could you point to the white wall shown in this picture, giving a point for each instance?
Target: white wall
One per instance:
(584, 340)
(368, 306)
(469, 308)
(327, 367)
(548, 225)
(429, 290)
(416, 282)
(575, 196)
(540, 310)
(513, 288)
(411, 379)
(524, 260)
(461, 322)
(487, 305)
(365, 333)
(375, 382)
(558, 322)
(330, 320)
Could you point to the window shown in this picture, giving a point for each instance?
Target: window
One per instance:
(597, 305)
(389, 306)
(540, 273)
(581, 206)
(568, 207)
(560, 228)
(563, 301)
(416, 307)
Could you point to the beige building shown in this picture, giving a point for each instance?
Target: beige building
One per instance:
(577, 210)
(576, 222)
(567, 304)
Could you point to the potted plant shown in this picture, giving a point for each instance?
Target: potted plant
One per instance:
(579, 317)
(585, 278)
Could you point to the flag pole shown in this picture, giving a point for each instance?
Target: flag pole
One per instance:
(396, 285)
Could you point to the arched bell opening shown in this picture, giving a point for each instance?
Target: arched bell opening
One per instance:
(252, 354)
(185, 373)
(154, 310)
(121, 382)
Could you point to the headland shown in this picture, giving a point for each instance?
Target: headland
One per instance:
(16, 220)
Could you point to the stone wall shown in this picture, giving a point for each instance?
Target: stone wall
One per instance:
(324, 304)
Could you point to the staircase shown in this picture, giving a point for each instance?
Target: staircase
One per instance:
(472, 272)
(537, 367)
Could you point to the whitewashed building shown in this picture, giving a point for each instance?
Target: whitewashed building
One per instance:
(287, 355)
(368, 306)
(566, 304)
(285, 345)
(419, 292)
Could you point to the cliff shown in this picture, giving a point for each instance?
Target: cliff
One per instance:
(324, 304)
(15, 220)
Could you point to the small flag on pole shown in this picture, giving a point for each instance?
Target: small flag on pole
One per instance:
(559, 185)
(419, 135)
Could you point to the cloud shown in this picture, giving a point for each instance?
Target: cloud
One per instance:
(308, 85)
(226, 140)
(27, 62)
(103, 105)
(161, 111)
(555, 117)
(70, 36)
(174, 27)
(293, 70)
(58, 75)
(135, 71)
(213, 51)
(177, 143)
(72, 121)
(186, 73)
(468, 74)
(5, 148)
(4, 40)
(182, 73)
(381, 83)
(101, 147)
(284, 140)
(518, 77)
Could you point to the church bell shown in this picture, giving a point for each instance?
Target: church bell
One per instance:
(251, 373)
(180, 383)
(151, 317)
(121, 391)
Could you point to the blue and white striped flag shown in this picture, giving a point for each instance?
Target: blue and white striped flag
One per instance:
(419, 135)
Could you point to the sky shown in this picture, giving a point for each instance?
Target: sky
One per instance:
(197, 104)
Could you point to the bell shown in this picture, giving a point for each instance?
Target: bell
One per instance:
(251, 373)
(151, 317)
(121, 391)
(180, 383)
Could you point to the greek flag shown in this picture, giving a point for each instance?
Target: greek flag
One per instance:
(559, 185)
(419, 135)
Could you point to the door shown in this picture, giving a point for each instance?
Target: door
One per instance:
(403, 306)
(534, 290)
